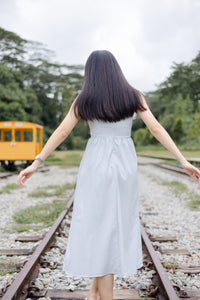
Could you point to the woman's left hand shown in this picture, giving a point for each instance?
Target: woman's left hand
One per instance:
(192, 171)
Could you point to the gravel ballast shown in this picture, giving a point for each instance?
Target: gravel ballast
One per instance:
(174, 218)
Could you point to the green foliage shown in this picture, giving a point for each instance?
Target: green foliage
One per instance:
(65, 158)
(12, 48)
(194, 202)
(9, 187)
(55, 190)
(141, 137)
(176, 103)
(12, 111)
(177, 129)
(34, 88)
(166, 121)
(78, 143)
(42, 213)
(195, 128)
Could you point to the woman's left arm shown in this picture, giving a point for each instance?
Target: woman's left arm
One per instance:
(57, 137)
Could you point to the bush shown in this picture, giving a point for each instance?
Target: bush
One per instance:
(141, 137)
(78, 143)
(177, 129)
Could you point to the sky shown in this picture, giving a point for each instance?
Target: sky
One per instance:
(145, 36)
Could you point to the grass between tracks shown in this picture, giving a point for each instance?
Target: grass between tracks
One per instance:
(40, 215)
(54, 190)
(180, 189)
(9, 187)
(7, 266)
(175, 185)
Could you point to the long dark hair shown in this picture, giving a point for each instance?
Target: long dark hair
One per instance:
(106, 94)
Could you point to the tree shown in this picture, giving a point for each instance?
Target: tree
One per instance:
(195, 128)
(177, 129)
(40, 89)
(12, 111)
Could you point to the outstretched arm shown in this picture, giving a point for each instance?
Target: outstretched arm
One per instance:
(159, 132)
(60, 133)
(57, 137)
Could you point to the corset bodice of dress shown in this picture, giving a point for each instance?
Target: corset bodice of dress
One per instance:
(120, 128)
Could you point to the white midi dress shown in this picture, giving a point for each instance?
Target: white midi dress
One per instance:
(104, 235)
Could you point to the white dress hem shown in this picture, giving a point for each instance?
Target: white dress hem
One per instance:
(105, 273)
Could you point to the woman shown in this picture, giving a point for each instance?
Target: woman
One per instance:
(104, 237)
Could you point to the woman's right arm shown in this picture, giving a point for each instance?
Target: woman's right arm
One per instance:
(57, 137)
(159, 132)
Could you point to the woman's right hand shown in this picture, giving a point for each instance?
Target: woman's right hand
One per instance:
(192, 171)
(26, 173)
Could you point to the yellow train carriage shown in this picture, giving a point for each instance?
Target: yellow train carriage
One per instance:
(20, 140)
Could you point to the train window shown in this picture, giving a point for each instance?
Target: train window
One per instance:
(38, 136)
(28, 136)
(17, 136)
(7, 135)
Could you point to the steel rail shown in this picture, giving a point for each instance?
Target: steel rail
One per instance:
(15, 290)
(164, 280)
(2, 176)
(190, 159)
(16, 287)
(171, 168)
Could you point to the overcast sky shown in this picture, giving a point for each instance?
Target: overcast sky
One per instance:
(145, 36)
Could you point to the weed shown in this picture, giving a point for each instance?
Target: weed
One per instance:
(176, 185)
(4, 270)
(194, 202)
(26, 227)
(170, 265)
(56, 190)
(9, 187)
(44, 214)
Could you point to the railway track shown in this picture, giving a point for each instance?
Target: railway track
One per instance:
(24, 285)
(168, 166)
(10, 174)
(171, 168)
(192, 160)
